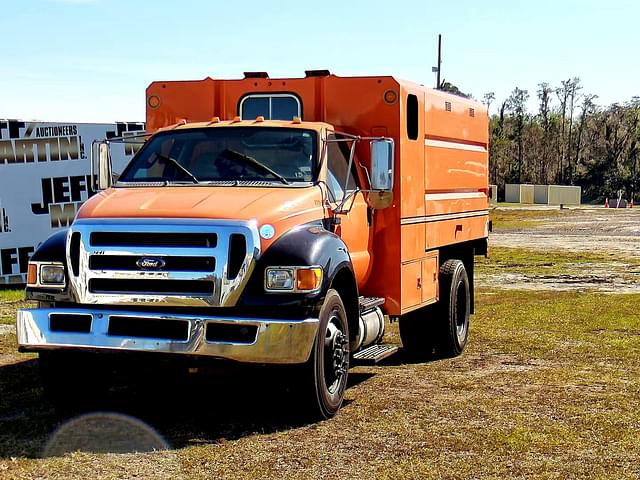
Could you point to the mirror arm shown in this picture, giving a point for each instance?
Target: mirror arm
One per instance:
(340, 210)
(366, 171)
(351, 154)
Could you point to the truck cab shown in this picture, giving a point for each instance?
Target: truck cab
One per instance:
(281, 234)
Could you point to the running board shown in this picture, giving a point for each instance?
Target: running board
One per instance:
(374, 354)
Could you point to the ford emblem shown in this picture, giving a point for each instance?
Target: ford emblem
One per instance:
(150, 263)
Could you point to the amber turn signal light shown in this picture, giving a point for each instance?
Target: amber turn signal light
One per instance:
(308, 278)
(32, 274)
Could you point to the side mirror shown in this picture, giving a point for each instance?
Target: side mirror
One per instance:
(382, 151)
(103, 171)
(381, 182)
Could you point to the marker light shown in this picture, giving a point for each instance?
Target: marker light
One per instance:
(153, 101)
(390, 97)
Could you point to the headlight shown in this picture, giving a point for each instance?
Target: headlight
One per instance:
(52, 275)
(279, 279)
(293, 279)
(45, 275)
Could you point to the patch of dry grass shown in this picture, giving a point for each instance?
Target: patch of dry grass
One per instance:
(519, 218)
(11, 295)
(510, 268)
(10, 300)
(522, 260)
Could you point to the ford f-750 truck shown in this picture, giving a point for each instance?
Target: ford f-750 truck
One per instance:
(271, 221)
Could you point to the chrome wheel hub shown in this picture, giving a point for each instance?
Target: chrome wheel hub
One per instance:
(336, 349)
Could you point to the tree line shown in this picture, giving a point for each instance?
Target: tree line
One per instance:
(569, 140)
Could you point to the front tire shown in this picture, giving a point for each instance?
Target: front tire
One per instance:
(327, 369)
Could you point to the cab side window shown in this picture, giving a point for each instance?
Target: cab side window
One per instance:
(338, 174)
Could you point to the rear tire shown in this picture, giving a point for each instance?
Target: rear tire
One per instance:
(455, 304)
(441, 329)
(325, 374)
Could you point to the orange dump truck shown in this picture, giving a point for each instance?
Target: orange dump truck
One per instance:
(271, 221)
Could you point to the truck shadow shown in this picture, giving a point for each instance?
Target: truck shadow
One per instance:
(26, 420)
(184, 410)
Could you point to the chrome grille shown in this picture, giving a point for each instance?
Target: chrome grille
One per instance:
(172, 263)
(193, 262)
(153, 239)
(142, 286)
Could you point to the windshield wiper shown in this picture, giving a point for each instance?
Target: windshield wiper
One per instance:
(252, 161)
(175, 163)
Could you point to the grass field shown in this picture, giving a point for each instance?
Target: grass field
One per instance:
(10, 299)
(11, 295)
(549, 387)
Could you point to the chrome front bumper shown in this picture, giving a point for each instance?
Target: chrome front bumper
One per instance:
(276, 341)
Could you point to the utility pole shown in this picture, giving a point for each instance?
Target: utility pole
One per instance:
(438, 68)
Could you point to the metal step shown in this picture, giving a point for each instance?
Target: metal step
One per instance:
(374, 354)
(369, 303)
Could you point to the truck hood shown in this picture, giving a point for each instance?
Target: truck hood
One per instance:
(283, 208)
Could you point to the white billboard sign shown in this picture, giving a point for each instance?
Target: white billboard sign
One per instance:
(44, 178)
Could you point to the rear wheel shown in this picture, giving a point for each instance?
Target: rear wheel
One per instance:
(326, 371)
(456, 306)
(441, 329)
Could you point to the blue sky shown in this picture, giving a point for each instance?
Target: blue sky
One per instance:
(91, 60)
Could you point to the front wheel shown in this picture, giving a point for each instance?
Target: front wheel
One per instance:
(327, 369)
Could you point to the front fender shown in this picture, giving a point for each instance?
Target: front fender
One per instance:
(309, 244)
(53, 249)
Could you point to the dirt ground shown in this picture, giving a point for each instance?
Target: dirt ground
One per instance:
(606, 232)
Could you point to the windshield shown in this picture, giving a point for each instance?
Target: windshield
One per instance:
(226, 154)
